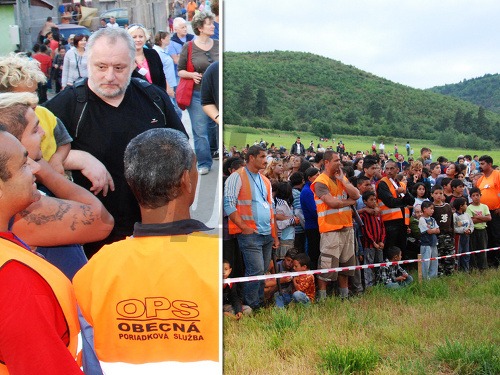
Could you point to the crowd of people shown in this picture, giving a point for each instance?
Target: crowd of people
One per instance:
(115, 179)
(304, 209)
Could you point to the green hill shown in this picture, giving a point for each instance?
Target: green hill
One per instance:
(483, 91)
(306, 92)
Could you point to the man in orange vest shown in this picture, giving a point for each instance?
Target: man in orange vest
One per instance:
(153, 298)
(489, 184)
(334, 196)
(393, 201)
(249, 205)
(38, 315)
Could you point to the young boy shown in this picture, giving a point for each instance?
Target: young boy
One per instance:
(373, 237)
(444, 218)
(231, 301)
(480, 214)
(413, 244)
(282, 266)
(464, 226)
(394, 276)
(429, 230)
(303, 285)
(457, 190)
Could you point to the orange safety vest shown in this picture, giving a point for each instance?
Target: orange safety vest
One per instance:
(330, 219)
(151, 301)
(59, 284)
(393, 213)
(244, 204)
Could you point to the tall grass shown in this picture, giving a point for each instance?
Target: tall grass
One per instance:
(449, 325)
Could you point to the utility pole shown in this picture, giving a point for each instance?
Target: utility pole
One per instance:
(24, 22)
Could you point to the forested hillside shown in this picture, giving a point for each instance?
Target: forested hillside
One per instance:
(302, 91)
(483, 91)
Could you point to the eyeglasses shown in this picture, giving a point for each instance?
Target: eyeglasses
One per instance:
(210, 60)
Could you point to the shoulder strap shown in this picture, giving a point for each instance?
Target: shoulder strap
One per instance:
(190, 66)
(151, 92)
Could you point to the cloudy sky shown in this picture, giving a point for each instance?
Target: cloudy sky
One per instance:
(419, 43)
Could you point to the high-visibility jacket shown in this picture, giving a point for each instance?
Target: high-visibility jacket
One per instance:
(59, 284)
(393, 213)
(48, 122)
(152, 300)
(330, 219)
(244, 204)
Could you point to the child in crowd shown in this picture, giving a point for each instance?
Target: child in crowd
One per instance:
(464, 226)
(435, 171)
(394, 276)
(413, 240)
(445, 183)
(231, 301)
(457, 190)
(285, 219)
(480, 214)
(282, 266)
(373, 238)
(304, 288)
(429, 230)
(443, 214)
(419, 191)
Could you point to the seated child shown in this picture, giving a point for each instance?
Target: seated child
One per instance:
(304, 288)
(394, 276)
(231, 301)
(282, 266)
(464, 226)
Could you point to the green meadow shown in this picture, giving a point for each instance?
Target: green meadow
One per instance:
(449, 325)
(239, 136)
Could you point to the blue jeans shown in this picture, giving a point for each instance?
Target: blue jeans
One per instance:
(285, 298)
(401, 284)
(256, 250)
(176, 107)
(199, 124)
(429, 268)
(213, 136)
(463, 247)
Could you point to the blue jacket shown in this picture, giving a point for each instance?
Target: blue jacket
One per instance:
(309, 207)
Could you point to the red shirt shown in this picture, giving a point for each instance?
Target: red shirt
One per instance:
(34, 333)
(45, 62)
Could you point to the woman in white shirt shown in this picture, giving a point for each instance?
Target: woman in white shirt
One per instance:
(75, 62)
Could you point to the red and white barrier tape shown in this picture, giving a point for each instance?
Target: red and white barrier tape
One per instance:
(350, 268)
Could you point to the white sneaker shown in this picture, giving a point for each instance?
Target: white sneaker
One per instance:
(203, 170)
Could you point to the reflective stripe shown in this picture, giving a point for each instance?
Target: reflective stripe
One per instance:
(246, 217)
(333, 211)
(244, 202)
(391, 210)
(157, 368)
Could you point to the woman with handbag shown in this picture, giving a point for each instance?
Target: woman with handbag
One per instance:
(194, 60)
(148, 62)
(75, 62)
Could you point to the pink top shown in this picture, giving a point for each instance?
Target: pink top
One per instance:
(143, 66)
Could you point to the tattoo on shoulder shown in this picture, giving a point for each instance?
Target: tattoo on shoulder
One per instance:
(86, 217)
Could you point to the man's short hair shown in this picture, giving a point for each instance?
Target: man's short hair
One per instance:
(328, 155)
(154, 164)
(486, 158)
(13, 108)
(17, 69)
(424, 149)
(361, 179)
(112, 34)
(436, 187)
(254, 151)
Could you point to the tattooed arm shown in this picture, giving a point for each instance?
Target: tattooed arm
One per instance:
(75, 216)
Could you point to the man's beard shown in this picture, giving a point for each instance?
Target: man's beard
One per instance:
(119, 91)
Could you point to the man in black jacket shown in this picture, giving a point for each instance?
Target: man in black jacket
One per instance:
(298, 148)
(104, 113)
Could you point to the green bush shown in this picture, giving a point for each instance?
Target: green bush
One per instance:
(342, 360)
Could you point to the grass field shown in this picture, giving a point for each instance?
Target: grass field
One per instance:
(449, 325)
(239, 136)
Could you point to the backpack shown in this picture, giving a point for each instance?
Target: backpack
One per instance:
(81, 90)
